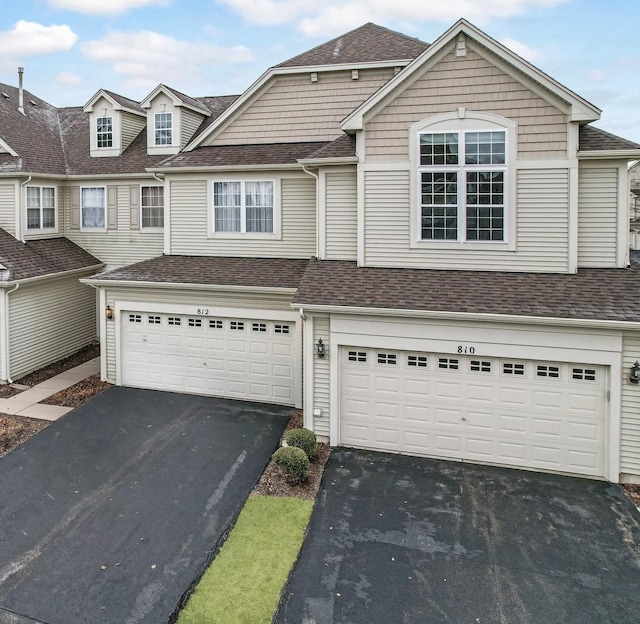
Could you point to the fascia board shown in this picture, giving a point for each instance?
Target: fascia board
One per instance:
(213, 168)
(609, 154)
(321, 162)
(112, 283)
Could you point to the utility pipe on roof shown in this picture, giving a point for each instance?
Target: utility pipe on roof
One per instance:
(20, 90)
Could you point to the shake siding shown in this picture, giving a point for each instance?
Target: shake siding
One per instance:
(598, 217)
(341, 215)
(132, 125)
(190, 223)
(476, 84)
(542, 226)
(630, 423)
(295, 109)
(49, 320)
(190, 122)
(321, 383)
(8, 207)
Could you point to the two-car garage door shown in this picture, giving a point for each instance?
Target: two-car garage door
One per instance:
(524, 413)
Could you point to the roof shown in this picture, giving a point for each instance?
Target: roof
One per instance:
(593, 294)
(208, 270)
(216, 105)
(342, 147)
(240, 155)
(40, 257)
(125, 101)
(595, 139)
(366, 44)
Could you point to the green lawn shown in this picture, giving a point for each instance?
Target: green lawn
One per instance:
(243, 583)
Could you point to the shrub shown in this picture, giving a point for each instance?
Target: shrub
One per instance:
(302, 438)
(294, 462)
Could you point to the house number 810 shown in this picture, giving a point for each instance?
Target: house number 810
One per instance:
(469, 350)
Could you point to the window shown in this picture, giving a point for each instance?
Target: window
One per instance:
(92, 206)
(104, 131)
(387, 358)
(512, 369)
(135, 318)
(542, 370)
(236, 325)
(244, 206)
(281, 329)
(480, 366)
(259, 327)
(152, 206)
(163, 128)
(154, 320)
(584, 374)
(357, 356)
(174, 320)
(41, 207)
(192, 322)
(417, 360)
(449, 363)
(215, 324)
(462, 185)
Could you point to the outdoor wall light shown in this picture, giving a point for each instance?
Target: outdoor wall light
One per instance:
(634, 373)
(320, 349)
(109, 313)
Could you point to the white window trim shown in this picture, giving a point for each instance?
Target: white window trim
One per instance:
(242, 235)
(89, 228)
(463, 121)
(173, 129)
(143, 228)
(41, 230)
(113, 138)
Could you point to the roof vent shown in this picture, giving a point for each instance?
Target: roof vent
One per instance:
(33, 103)
(5, 95)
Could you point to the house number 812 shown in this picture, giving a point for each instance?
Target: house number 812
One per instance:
(469, 350)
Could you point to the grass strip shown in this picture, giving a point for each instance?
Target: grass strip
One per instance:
(243, 583)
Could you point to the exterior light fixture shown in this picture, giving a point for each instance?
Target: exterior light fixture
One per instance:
(634, 373)
(320, 350)
(109, 313)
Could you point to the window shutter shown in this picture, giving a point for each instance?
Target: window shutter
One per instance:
(135, 207)
(74, 206)
(112, 207)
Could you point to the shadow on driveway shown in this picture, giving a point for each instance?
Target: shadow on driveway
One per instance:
(112, 512)
(396, 539)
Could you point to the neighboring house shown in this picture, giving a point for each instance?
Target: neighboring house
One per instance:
(634, 204)
(429, 244)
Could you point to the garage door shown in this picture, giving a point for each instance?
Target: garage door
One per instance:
(540, 415)
(227, 357)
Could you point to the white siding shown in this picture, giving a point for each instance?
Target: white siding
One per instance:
(630, 422)
(341, 215)
(49, 320)
(598, 217)
(190, 222)
(132, 125)
(8, 207)
(321, 383)
(541, 221)
(190, 122)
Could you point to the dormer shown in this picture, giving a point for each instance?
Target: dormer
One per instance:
(114, 122)
(172, 119)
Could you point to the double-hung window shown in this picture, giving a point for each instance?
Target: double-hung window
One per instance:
(152, 206)
(163, 128)
(462, 177)
(244, 206)
(104, 132)
(41, 207)
(92, 206)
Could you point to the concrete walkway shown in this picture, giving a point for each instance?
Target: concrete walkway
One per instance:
(27, 403)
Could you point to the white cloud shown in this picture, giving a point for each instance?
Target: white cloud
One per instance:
(33, 39)
(597, 75)
(328, 17)
(522, 49)
(67, 79)
(146, 58)
(101, 7)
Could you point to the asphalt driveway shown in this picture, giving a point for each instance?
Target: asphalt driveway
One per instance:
(111, 513)
(406, 540)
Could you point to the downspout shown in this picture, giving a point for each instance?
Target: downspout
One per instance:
(21, 205)
(315, 175)
(166, 243)
(4, 331)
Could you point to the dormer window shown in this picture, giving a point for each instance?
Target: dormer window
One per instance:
(104, 131)
(163, 128)
(41, 208)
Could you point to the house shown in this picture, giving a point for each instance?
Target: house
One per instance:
(634, 204)
(426, 247)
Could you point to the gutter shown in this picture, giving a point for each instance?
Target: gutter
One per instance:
(90, 281)
(609, 154)
(205, 168)
(21, 205)
(39, 278)
(341, 160)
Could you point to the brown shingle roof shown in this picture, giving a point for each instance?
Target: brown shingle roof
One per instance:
(216, 106)
(368, 43)
(239, 155)
(267, 272)
(602, 294)
(595, 139)
(187, 99)
(125, 101)
(40, 257)
(342, 147)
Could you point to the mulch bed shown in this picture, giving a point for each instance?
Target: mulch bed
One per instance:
(77, 395)
(633, 492)
(14, 430)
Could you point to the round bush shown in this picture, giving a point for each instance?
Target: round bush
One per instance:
(303, 439)
(294, 462)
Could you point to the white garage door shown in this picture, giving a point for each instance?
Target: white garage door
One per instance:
(227, 357)
(540, 415)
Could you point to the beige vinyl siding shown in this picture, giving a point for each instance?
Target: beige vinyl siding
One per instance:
(598, 216)
(341, 215)
(541, 223)
(476, 84)
(49, 320)
(292, 108)
(630, 421)
(190, 122)
(254, 301)
(115, 247)
(8, 207)
(321, 379)
(132, 125)
(191, 223)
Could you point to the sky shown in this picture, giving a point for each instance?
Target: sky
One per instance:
(72, 48)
